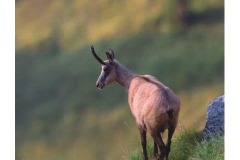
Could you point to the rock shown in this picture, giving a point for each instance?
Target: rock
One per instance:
(215, 117)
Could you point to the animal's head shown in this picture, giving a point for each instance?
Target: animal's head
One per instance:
(108, 73)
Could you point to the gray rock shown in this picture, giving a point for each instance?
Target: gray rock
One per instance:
(215, 117)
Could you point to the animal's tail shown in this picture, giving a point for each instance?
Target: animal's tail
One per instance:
(170, 113)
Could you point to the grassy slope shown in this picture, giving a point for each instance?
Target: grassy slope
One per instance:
(188, 144)
(59, 112)
(65, 104)
(73, 24)
(77, 22)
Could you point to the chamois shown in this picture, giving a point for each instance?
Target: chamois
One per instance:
(154, 106)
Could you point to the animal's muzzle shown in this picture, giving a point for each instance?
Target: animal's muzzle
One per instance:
(100, 86)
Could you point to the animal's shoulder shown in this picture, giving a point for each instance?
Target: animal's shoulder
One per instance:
(143, 79)
(145, 85)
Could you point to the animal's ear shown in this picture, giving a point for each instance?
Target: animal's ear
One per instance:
(110, 56)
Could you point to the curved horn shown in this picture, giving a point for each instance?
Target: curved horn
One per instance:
(96, 56)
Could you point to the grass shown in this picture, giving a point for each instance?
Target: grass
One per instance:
(189, 145)
(212, 149)
(55, 94)
(100, 133)
(75, 23)
(60, 113)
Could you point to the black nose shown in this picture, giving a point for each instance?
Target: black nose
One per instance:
(97, 85)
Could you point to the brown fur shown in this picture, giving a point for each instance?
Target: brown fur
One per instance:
(150, 101)
(154, 106)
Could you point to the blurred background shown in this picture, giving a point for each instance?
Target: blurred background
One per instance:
(61, 115)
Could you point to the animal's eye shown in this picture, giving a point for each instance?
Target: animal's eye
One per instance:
(105, 69)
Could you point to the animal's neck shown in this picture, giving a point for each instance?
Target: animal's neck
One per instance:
(124, 76)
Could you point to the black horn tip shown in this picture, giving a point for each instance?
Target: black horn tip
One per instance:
(92, 48)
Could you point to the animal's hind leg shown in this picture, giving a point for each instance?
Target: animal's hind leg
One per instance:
(169, 140)
(158, 140)
(143, 142)
(155, 151)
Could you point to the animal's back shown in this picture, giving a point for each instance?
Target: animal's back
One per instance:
(152, 102)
